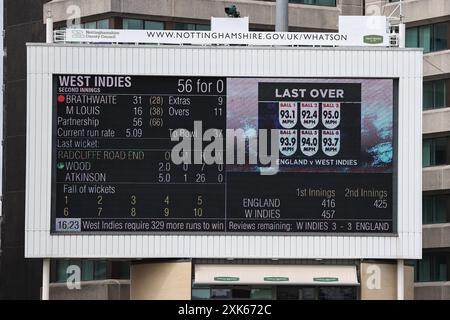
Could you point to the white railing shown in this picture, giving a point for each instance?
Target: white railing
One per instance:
(59, 36)
(394, 40)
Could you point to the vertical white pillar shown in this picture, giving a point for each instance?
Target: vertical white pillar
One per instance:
(45, 279)
(401, 35)
(49, 26)
(400, 279)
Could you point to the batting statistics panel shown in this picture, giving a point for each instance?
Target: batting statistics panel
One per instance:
(222, 155)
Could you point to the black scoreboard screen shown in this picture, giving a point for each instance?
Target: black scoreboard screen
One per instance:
(222, 155)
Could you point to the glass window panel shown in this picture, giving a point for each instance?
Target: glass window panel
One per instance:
(202, 27)
(306, 294)
(433, 267)
(416, 270)
(426, 153)
(424, 267)
(73, 26)
(441, 209)
(337, 293)
(90, 25)
(90, 269)
(153, 25)
(287, 293)
(428, 95)
(411, 38)
(220, 293)
(203, 293)
(261, 294)
(441, 268)
(440, 94)
(184, 26)
(87, 270)
(440, 152)
(425, 38)
(440, 36)
(435, 209)
(427, 210)
(61, 270)
(135, 24)
(100, 270)
(103, 24)
(240, 293)
(124, 270)
(192, 26)
(316, 2)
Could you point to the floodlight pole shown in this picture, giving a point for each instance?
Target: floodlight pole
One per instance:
(282, 16)
(401, 28)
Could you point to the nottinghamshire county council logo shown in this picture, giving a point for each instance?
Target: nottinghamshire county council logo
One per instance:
(78, 34)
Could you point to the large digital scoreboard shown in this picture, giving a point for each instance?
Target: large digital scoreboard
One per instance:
(290, 155)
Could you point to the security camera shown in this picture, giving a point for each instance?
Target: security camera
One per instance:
(232, 12)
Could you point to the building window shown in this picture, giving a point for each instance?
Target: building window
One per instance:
(138, 24)
(432, 37)
(337, 293)
(440, 36)
(100, 24)
(90, 269)
(261, 294)
(232, 292)
(192, 26)
(133, 24)
(330, 3)
(89, 25)
(434, 94)
(153, 25)
(201, 293)
(434, 152)
(218, 293)
(316, 293)
(432, 267)
(435, 209)
(123, 270)
(103, 24)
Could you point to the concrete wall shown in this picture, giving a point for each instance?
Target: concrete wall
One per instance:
(436, 178)
(425, 11)
(19, 277)
(92, 290)
(436, 235)
(161, 281)
(379, 281)
(436, 63)
(435, 121)
(260, 12)
(439, 290)
(351, 7)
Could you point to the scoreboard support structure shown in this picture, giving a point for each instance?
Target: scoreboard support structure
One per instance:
(45, 279)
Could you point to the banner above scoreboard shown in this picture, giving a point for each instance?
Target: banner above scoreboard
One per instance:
(353, 31)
